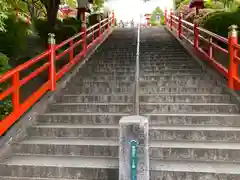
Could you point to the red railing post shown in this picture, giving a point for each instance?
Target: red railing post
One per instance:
(113, 19)
(99, 30)
(108, 23)
(180, 24)
(196, 36)
(210, 49)
(165, 17)
(52, 57)
(84, 36)
(16, 92)
(233, 52)
(71, 53)
(171, 20)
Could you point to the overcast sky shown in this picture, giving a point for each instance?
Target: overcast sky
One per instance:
(131, 9)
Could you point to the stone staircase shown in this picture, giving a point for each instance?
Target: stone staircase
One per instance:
(194, 123)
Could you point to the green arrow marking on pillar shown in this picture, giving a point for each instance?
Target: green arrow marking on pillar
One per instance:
(133, 159)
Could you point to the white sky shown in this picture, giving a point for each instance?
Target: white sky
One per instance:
(131, 9)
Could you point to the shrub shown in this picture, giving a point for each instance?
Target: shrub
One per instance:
(64, 32)
(15, 37)
(220, 22)
(73, 22)
(5, 105)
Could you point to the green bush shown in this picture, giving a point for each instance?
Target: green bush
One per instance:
(73, 22)
(64, 32)
(14, 40)
(5, 105)
(219, 22)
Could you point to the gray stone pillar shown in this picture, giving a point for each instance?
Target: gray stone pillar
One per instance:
(134, 128)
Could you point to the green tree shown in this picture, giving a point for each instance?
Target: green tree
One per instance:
(157, 11)
(4, 7)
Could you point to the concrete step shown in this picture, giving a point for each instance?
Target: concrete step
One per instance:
(99, 88)
(67, 146)
(194, 154)
(32, 178)
(176, 89)
(180, 82)
(98, 98)
(151, 98)
(174, 175)
(195, 119)
(80, 118)
(185, 98)
(155, 119)
(143, 77)
(196, 166)
(65, 167)
(91, 107)
(155, 108)
(74, 130)
(195, 133)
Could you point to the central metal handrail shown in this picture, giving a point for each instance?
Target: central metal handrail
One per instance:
(137, 73)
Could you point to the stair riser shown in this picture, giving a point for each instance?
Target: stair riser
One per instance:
(98, 99)
(192, 135)
(58, 172)
(143, 65)
(200, 90)
(196, 120)
(97, 90)
(184, 99)
(74, 132)
(127, 85)
(179, 82)
(180, 154)
(168, 175)
(82, 119)
(182, 108)
(68, 150)
(179, 78)
(146, 68)
(91, 108)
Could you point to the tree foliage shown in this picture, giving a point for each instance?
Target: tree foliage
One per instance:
(156, 11)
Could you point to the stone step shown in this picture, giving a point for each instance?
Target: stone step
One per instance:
(180, 82)
(162, 150)
(195, 133)
(143, 77)
(67, 146)
(98, 98)
(195, 119)
(95, 89)
(151, 98)
(176, 89)
(107, 67)
(32, 178)
(181, 175)
(79, 118)
(159, 166)
(195, 154)
(185, 98)
(189, 108)
(91, 107)
(155, 119)
(142, 64)
(74, 130)
(65, 167)
(155, 71)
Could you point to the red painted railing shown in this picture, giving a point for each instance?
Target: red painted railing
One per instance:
(82, 38)
(206, 43)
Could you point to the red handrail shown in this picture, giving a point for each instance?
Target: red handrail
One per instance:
(16, 82)
(183, 29)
